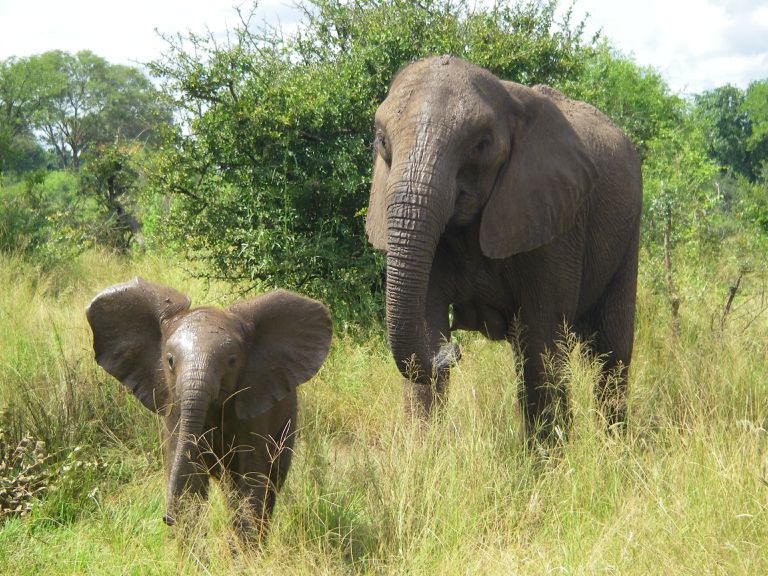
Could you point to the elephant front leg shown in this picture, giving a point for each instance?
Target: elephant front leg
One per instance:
(253, 503)
(614, 323)
(256, 476)
(251, 498)
(543, 395)
(422, 399)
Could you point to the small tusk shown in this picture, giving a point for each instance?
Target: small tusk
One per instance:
(448, 355)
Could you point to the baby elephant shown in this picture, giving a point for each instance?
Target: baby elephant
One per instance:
(223, 379)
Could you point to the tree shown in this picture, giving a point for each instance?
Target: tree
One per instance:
(19, 150)
(726, 126)
(82, 101)
(636, 98)
(111, 178)
(755, 106)
(677, 198)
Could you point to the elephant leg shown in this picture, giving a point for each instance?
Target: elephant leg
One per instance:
(543, 397)
(190, 522)
(259, 475)
(253, 503)
(614, 326)
(422, 400)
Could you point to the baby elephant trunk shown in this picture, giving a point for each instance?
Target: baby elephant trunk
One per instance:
(185, 474)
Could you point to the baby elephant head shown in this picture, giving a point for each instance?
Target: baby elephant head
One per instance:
(207, 364)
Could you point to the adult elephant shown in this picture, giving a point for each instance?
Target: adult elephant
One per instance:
(502, 202)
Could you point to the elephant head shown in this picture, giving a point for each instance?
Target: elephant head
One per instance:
(456, 146)
(183, 362)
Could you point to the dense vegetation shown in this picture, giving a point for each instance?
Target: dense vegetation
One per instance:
(249, 169)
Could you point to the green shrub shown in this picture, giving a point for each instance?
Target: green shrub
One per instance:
(44, 218)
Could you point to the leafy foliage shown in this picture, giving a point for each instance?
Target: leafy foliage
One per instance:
(19, 151)
(76, 102)
(636, 98)
(46, 217)
(727, 127)
(111, 177)
(31, 475)
(42, 216)
(736, 127)
(24, 474)
(677, 174)
(755, 105)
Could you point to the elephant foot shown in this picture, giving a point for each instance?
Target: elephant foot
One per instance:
(422, 400)
(251, 533)
(548, 434)
(547, 417)
(611, 398)
(253, 511)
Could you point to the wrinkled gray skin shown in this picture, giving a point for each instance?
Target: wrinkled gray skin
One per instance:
(497, 199)
(223, 379)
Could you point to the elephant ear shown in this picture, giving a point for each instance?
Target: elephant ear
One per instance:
(376, 219)
(126, 323)
(548, 176)
(288, 337)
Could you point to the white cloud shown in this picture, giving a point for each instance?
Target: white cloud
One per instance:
(120, 32)
(695, 44)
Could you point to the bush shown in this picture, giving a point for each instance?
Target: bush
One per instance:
(51, 217)
(30, 475)
(25, 474)
(43, 217)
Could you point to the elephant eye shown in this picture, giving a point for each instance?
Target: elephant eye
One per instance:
(483, 145)
(232, 362)
(169, 357)
(380, 144)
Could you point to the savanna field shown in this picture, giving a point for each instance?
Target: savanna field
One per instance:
(684, 491)
(227, 169)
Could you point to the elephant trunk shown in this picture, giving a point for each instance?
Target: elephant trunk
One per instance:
(416, 218)
(183, 472)
(406, 323)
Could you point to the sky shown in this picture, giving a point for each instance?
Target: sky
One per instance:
(696, 45)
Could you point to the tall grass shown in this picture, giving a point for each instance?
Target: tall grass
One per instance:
(682, 492)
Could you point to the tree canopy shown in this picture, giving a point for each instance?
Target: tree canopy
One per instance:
(735, 122)
(19, 149)
(74, 103)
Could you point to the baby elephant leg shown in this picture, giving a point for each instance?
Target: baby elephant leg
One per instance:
(253, 503)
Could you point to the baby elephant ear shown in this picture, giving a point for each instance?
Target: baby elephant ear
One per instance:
(126, 323)
(289, 338)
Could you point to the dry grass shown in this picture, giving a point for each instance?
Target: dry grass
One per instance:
(683, 492)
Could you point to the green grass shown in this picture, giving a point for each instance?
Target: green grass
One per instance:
(683, 492)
